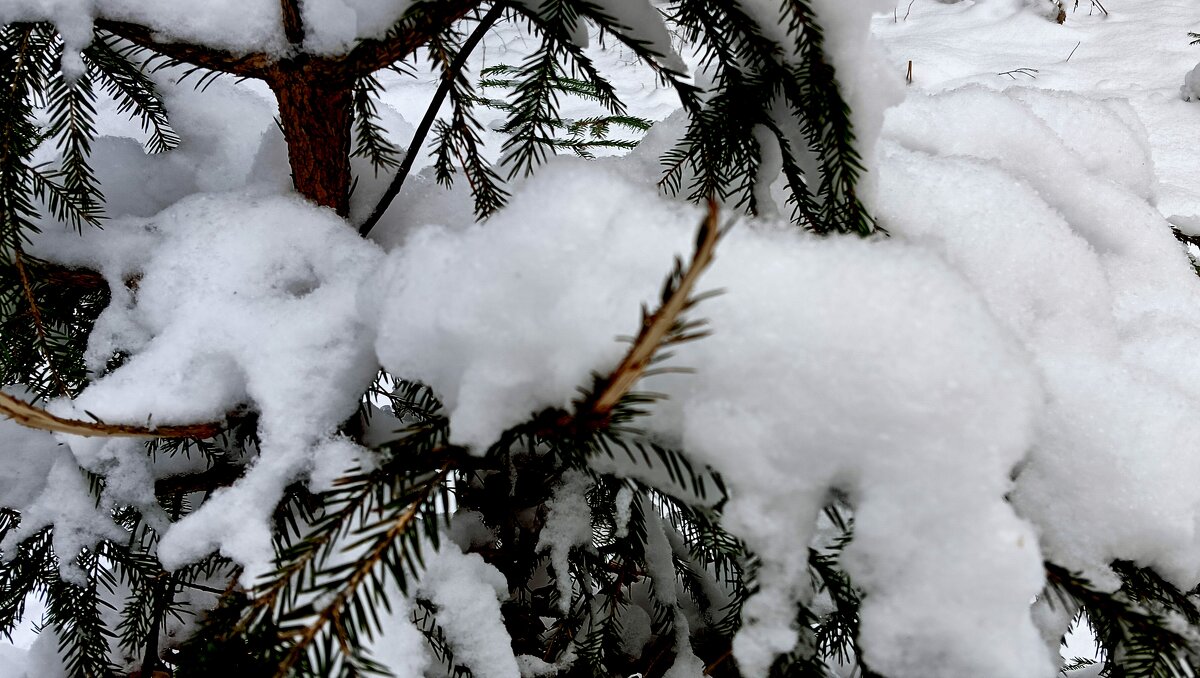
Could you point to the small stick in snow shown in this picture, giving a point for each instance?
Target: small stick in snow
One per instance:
(1028, 72)
(1073, 51)
(908, 76)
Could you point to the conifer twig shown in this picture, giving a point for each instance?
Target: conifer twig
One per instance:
(331, 613)
(657, 327)
(33, 416)
(449, 75)
(38, 324)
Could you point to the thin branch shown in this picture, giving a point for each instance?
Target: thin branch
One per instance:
(35, 417)
(39, 324)
(656, 328)
(449, 75)
(332, 612)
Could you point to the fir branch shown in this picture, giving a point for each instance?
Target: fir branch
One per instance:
(330, 615)
(459, 138)
(1135, 640)
(11, 406)
(372, 142)
(451, 74)
(71, 106)
(535, 92)
(35, 417)
(128, 85)
(659, 329)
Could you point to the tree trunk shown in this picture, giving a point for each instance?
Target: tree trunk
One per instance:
(315, 111)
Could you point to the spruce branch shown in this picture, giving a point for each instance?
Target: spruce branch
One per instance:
(450, 74)
(331, 613)
(659, 329)
(35, 417)
(40, 327)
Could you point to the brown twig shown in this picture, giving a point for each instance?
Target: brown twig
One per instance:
(657, 327)
(718, 661)
(35, 417)
(39, 324)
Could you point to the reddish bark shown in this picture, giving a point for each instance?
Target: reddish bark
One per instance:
(315, 111)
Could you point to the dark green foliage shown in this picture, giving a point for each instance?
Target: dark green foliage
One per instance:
(788, 90)
(582, 136)
(343, 553)
(372, 143)
(1139, 628)
(457, 141)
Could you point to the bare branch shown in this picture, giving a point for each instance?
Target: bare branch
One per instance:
(35, 417)
(373, 55)
(657, 328)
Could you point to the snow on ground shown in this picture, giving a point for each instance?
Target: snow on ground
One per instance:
(1139, 52)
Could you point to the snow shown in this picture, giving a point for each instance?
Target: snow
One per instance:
(243, 299)
(1008, 378)
(467, 593)
(568, 526)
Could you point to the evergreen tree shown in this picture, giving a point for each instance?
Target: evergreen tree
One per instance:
(655, 581)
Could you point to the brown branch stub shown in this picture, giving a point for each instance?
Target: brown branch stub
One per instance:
(66, 276)
(33, 416)
(657, 327)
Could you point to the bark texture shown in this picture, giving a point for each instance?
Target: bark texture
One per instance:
(316, 115)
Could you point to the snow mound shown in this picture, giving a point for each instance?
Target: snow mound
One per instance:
(869, 367)
(1071, 257)
(241, 299)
